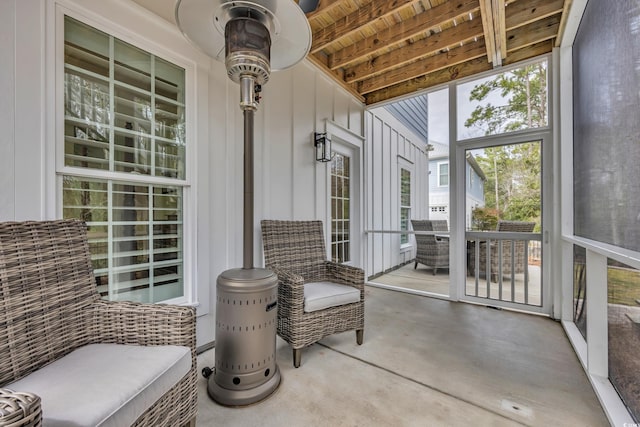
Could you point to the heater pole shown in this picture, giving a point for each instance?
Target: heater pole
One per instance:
(247, 260)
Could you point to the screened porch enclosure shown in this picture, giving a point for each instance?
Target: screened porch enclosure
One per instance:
(120, 122)
(463, 168)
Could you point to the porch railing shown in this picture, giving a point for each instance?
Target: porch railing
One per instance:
(502, 256)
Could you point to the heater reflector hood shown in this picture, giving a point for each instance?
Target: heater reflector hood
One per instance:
(203, 23)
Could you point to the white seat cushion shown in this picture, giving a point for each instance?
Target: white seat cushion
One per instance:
(321, 295)
(105, 384)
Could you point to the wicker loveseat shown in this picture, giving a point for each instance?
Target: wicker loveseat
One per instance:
(86, 361)
(316, 297)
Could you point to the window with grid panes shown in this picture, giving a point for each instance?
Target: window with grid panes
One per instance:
(340, 218)
(443, 174)
(405, 203)
(124, 162)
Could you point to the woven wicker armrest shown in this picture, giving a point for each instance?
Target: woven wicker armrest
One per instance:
(18, 409)
(290, 292)
(287, 277)
(143, 324)
(346, 274)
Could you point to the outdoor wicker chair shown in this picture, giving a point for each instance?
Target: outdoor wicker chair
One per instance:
(316, 297)
(519, 260)
(50, 311)
(432, 251)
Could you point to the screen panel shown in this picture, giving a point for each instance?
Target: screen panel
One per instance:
(606, 78)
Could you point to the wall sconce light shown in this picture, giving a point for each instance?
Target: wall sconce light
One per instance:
(322, 142)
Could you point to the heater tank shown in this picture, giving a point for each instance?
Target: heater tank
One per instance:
(246, 320)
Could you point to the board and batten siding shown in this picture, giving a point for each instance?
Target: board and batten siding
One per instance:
(289, 183)
(390, 146)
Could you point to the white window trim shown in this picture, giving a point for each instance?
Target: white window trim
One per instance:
(338, 151)
(104, 17)
(408, 166)
(350, 144)
(438, 166)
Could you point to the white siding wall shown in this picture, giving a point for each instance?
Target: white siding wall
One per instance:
(289, 183)
(389, 145)
(21, 114)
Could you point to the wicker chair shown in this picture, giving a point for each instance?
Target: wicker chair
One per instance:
(50, 307)
(432, 251)
(519, 251)
(295, 251)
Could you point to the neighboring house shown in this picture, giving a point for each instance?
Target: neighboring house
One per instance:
(439, 184)
(397, 192)
(413, 113)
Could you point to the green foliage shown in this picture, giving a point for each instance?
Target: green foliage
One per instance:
(484, 219)
(525, 90)
(516, 168)
(623, 286)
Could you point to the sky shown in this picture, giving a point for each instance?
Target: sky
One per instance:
(438, 119)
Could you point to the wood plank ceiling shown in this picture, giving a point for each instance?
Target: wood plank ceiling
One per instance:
(383, 49)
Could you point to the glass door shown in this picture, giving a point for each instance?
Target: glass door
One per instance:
(344, 203)
(341, 235)
(504, 223)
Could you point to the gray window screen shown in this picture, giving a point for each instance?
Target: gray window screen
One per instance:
(606, 84)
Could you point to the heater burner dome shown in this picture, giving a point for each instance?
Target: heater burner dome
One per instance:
(247, 50)
(203, 22)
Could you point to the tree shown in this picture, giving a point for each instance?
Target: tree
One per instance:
(524, 90)
(513, 186)
(513, 172)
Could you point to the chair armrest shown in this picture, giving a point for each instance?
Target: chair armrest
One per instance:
(346, 274)
(286, 277)
(442, 245)
(19, 409)
(125, 322)
(290, 292)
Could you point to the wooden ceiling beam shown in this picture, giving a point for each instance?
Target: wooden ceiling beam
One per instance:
(423, 66)
(563, 21)
(486, 13)
(525, 12)
(419, 24)
(500, 36)
(452, 73)
(450, 38)
(535, 32)
(354, 21)
(495, 33)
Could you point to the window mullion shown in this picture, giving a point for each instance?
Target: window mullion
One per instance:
(153, 115)
(112, 109)
(111, 274)
(151, 247)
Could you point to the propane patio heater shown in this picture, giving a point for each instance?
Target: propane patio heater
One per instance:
(252, 38)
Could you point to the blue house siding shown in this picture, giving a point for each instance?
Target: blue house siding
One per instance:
(439, 194)
(475, 184)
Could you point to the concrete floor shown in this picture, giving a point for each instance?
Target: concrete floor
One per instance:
(425, 362)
